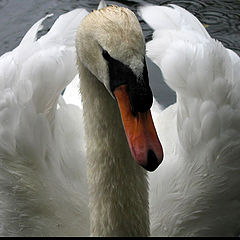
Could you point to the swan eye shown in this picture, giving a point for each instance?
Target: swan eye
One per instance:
(106, 55)
(119, 73)
(139, 90)
(140, 93)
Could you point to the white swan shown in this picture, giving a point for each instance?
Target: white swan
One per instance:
(43, 183)
(110, 56)
(195, 191)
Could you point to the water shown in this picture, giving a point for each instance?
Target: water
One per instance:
(221, 18)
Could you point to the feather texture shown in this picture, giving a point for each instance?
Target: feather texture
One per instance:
(194, 192)
(38, 198)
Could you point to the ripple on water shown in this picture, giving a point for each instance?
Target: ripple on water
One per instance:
(222, 17)
(3, 3)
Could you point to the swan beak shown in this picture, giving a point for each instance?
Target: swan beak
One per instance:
(140, 132)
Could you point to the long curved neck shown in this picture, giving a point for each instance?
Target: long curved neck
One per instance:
(118, 187)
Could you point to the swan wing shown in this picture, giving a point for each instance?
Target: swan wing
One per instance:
(200, 69)
(64, 29)
(31, 35)
(170, 17)
(71, 94)
(42, 175)
(200, 133)
(102, 4)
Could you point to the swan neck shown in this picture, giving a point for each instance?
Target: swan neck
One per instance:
(118, 187)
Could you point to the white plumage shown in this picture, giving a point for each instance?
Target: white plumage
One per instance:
(195, 191)
(43, 184)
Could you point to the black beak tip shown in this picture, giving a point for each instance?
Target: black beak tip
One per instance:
(152, 161)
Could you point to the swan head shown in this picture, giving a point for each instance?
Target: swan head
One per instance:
(111, 45)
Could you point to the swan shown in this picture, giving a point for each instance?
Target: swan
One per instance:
(195, 191)
(44, 186)
(111, 61)
(68, 169)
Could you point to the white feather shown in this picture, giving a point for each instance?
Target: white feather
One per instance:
(38, 197)
(195, 190)
(43, 184)
(102, 4)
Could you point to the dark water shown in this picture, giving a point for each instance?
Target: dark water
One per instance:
(222, 19)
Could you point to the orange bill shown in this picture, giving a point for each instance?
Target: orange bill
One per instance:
(140, 132)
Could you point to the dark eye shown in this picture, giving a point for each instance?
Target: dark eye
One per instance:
(106, 55)
(119, 73)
